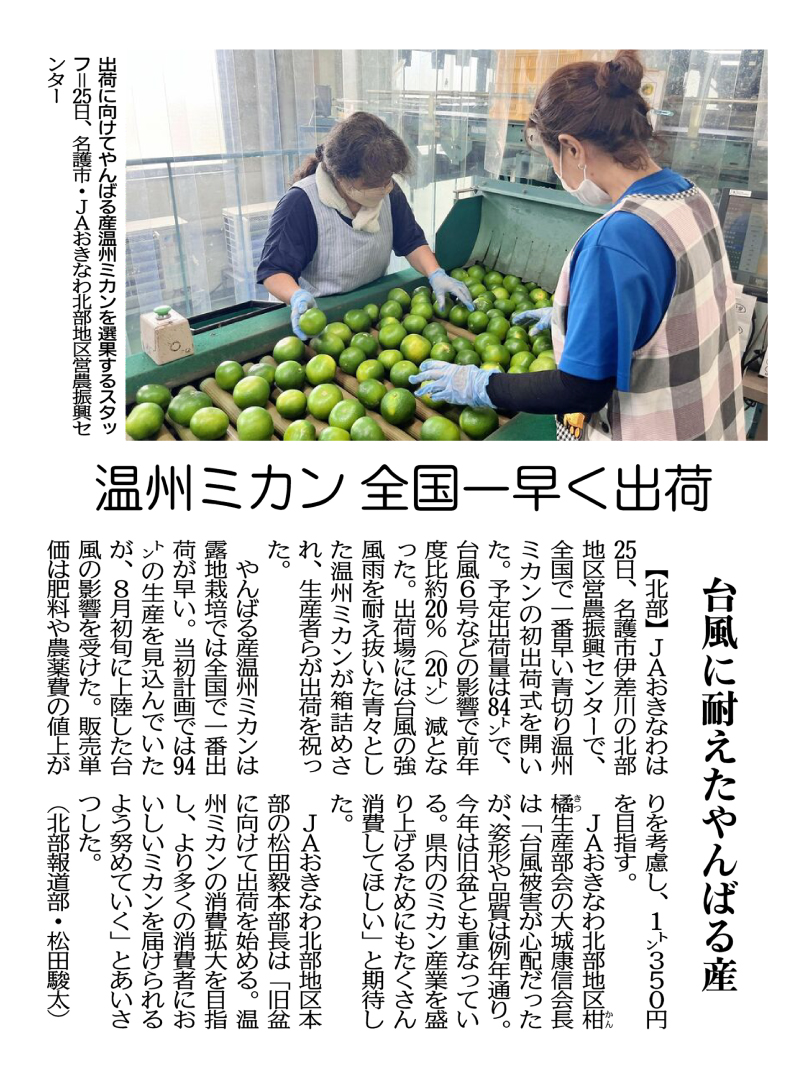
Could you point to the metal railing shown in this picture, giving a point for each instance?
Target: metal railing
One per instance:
(169, 162)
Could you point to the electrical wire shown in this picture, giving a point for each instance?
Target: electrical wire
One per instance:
(752, 345)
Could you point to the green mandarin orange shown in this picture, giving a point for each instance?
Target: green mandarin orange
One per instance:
(443, 352)
(415, 348)
(228, 374)
(322, 399)
(467, 357)
(332, 345)
(357, 320)
(413, 323)
(439, 428)
(391, 336)
(498, 326)
(312, 322)
(290, 348)
(366, 428)
(497, 352)
(184, 406)
(350, 359)
(290, 374)
(300, 430)
(514, 346)
(341, 329)
(345, 413)
(370, 392)
(332, 432)
(392, 309)
(157, 393)
(485, 339)
(422, 309)
(435, 332)
(432, 404)
(398, 406)
(144, 420)
(210, 423)
(265, 371)
(251, 391)
(291, 404)
(460, 342)
(388, 358)
(517, 331)
(371, 369)
(477, 321)
(403, 298)
(365, 342)
(321, 369)
(478, 422)
(255, 423)
(400, 373)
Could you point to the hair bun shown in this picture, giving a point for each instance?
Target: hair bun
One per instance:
(622, 75)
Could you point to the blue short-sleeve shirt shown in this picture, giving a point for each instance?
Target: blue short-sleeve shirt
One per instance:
(622, 278)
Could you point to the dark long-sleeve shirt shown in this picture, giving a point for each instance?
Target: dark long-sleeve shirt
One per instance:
(292, 237)
(549, 392)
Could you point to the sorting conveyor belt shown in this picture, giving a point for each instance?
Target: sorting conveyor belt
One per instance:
(519, 229)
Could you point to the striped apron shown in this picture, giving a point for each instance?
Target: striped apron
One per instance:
(345, 258)
(686, 381)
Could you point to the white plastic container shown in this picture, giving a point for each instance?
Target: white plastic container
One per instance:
(166, 335)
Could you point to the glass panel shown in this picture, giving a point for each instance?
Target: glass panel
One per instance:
(215, 137)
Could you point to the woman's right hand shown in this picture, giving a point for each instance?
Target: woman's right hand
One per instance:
(540, 317)
(300, 302)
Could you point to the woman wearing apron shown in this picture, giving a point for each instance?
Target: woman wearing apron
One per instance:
(643, 321)
(337, 226)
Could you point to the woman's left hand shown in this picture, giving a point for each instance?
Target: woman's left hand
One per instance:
(442, 285)
(464, 385)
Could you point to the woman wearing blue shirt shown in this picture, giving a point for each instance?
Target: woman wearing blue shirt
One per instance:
(337, 226)
(643, 321)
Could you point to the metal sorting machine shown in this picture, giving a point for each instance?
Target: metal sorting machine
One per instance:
(524, 230)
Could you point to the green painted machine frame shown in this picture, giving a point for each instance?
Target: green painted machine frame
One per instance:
(515, 228)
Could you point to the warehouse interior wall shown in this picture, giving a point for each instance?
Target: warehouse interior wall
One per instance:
(214, 138)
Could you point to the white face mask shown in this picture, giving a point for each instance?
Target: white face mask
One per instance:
(587, 191)
(371, 198)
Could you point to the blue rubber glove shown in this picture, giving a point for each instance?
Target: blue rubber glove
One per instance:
(300, 301)
(540, 318)
(442, 285)
(464, 385)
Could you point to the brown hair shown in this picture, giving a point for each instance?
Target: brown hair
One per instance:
(361, 147)
(599, 103)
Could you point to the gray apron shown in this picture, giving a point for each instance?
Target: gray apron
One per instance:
(345, 258)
